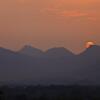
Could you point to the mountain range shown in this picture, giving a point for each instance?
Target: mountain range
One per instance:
(54, 66)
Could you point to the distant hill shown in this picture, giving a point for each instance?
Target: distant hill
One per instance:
(5, 52)
(60, 52)
(54, 66)
(89, 62)
(30, 51)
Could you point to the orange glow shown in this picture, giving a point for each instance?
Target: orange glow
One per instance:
(49, 23)
(89, 44)
(74, 14)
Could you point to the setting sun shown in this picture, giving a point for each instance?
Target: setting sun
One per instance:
(89, 44)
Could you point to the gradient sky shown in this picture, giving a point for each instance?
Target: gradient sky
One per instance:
(49, 23)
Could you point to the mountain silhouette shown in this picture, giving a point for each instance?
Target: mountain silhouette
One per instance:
(92, 51)
(4, 51)
(89, 62)
(54, 66)
(59, 52)
(7, 55)
(90, 55)
(30, 51)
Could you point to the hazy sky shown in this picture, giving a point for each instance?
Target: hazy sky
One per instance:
(49, 23)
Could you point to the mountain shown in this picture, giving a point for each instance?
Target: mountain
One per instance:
(54, 66)
(30, 51)
(6, 55)
(9, 55)
(89, 62)
(59, 52)
(90, 55)
(92, 52)
(4, 52)
(50, 66)
(15, 66)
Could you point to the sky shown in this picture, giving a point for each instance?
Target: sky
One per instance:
(49, 23)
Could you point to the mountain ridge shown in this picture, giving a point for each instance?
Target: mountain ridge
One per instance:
(30, 48)
(54, 68)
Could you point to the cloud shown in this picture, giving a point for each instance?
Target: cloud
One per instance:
(73, 14)
(91, 16)
(70, 13)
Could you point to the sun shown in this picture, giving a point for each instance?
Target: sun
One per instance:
(89, 44)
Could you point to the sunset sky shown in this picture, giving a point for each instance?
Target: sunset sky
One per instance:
(49, 23)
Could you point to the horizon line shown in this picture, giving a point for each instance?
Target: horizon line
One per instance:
(16, 51)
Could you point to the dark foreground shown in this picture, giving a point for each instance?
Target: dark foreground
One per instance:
(52, 92)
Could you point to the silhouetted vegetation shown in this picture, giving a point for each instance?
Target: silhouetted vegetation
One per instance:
(52, 92)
